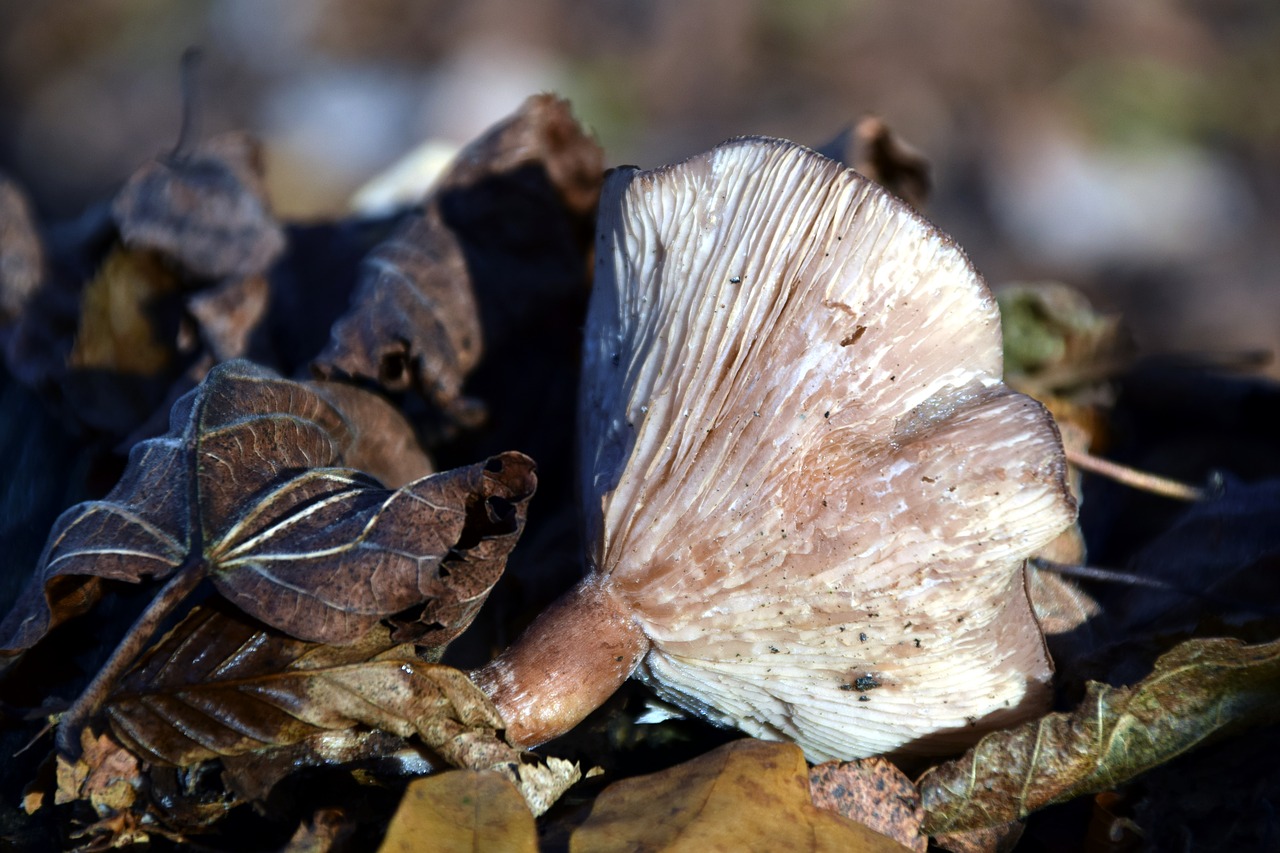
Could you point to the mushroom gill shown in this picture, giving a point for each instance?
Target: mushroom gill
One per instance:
(808, 493)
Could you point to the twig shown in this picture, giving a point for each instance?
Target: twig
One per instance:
(1132, 477)
(1095, 573)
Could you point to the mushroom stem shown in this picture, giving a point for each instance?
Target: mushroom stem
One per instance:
(564, 666)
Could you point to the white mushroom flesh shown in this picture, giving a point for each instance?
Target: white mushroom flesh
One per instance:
(802, 471)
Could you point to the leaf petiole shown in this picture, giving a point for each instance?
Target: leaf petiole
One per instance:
(184, 581)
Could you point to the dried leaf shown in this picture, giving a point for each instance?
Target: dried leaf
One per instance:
(462, 810)
(1060, 605)
(106, 774)
(206, 211)
(21, 252)
(1055, 341)
(118, 329)
(244, 482)
(220, 684)
(873, 792)
(1200, 689)
(507, 226)
(874, 149)
(228, 313)
(747, 794)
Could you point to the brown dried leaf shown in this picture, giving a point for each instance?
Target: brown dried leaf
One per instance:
(106, 774)
(246, 481)
(507, 227)
(21, 252)
(874, 149)
(206, 211)
(462, 810)
(228, 313)
(123, 356)
(221, 685)
(748, 794)
(1200, 689)
(118, 330)
(873, 792)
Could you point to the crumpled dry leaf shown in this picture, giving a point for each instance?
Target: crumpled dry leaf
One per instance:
(221, 685)
(506, 227)
(227, 314)
(118, 330)
(21, 252)
(874, 149)
(1200, 689)
(873, 792)
(119, 322)
(206, 210)
(748, 794)
(244, 481)
(462, 810)
(106, 774)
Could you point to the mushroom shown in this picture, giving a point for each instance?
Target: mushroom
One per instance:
(808, 494)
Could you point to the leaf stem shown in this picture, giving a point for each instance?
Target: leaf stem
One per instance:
(184, 581)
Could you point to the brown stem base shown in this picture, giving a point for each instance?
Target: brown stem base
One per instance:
(568, 662)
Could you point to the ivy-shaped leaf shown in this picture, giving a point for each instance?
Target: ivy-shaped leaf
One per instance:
(247, 485)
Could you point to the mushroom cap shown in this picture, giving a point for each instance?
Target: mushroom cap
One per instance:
(802, 472)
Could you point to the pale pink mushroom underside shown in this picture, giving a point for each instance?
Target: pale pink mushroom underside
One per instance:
(802, 472)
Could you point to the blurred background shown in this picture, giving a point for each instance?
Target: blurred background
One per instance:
(1130, 149)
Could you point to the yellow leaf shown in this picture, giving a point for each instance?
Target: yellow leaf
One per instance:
(118, 327)
(746, 795)
(467, 810)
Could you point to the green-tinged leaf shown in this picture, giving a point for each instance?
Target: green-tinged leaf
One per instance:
(465, 810)
(1054, 338)
(746, 795)
(1200, 689)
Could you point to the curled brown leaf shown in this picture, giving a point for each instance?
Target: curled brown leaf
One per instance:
(507, 227)
(207, 210)
(249, 481)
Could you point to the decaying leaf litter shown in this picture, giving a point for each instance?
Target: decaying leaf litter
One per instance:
(453, 338)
